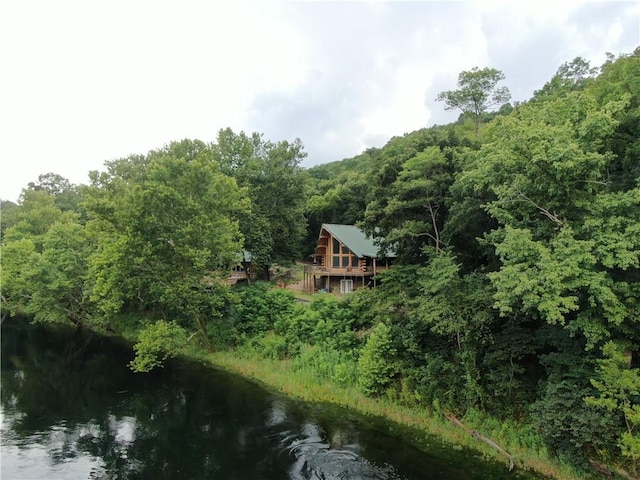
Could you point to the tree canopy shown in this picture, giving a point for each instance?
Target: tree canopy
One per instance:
(515, 291)
(477, 93)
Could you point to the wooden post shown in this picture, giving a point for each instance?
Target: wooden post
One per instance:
(374, 271)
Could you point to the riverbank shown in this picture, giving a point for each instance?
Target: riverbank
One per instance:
(279, 375)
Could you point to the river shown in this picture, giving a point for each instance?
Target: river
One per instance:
(73, 410)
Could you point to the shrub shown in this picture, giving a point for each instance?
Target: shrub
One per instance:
(376, 365)
(325, 364)
(157, 342)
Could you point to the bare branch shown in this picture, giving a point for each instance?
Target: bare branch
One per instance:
(551, 216)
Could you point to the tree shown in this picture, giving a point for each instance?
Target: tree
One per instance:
(570, 76)
(8, 212)
(45, 262)
(568, 245)
(66, 194)
(52, 183)
(277, 187)
(618, 385)
(414, 216)
(409, 192)
(157, 342)
(35, 216)
(167, 232)
(376, 366)
(477, 93)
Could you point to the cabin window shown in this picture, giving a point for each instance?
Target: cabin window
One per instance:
(342, 256)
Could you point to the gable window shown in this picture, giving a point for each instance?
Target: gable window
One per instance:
(341, 255)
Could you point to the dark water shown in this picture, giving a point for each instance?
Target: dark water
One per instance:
(74, 411)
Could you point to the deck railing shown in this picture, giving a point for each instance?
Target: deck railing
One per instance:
(342, 271)
(238, 275)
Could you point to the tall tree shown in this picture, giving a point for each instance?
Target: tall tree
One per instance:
(570, 76)
(569, 240)
(66, 194)
(166, 229)
(277, 186)
(414, 215)
(44, 262)
(477, 93)
(410, 190)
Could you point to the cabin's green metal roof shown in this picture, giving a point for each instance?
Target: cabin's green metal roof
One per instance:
(354, 239)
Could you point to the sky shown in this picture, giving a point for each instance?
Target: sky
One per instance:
(84, 82)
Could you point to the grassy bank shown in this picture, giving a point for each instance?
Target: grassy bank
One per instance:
(282, 377)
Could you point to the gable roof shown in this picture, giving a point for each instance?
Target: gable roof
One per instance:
(354, 239)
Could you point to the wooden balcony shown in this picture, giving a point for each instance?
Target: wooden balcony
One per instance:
(322, 271)
(235, 276)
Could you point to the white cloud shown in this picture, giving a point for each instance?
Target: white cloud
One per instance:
(93, 81)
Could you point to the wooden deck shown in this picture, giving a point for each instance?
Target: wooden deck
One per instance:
(339, 271)
(235, 276)
(315, 273)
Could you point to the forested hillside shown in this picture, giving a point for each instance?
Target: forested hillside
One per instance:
(516, 294)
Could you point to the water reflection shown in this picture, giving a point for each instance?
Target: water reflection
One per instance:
(88, 417)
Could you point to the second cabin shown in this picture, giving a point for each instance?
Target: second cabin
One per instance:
(344, 259)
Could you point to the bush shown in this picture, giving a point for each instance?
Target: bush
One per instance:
(157, 342)
(376, 365)
(570, 428)
(325, 364)
(273, 346)
(261, 309)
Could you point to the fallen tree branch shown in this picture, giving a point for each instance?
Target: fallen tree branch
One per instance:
(5, 311)
(610, 472)
(482, 438)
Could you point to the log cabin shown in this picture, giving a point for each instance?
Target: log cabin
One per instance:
(344, 259)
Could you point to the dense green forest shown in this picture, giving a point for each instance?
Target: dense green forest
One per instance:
(516, 294)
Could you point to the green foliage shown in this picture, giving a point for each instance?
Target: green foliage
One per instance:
(35, 216)
(342, 200)
(157, 342)
(451, 304)
(19, 260)
(335, 324)
(509, 370)
(618, 386)
(166, 232)
(262, 308)
(8, 212)
(277, 189)
(45, 263)
(570, 76)
(570, 430)
(477, 93)
(410, 193)
(58, 291)
(563, 237)
(418, 199)
(270, 345)
(67, 196)
(518, 257)
(326, 364)
(376, 365)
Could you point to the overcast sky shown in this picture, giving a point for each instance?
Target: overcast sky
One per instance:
(84, 82)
